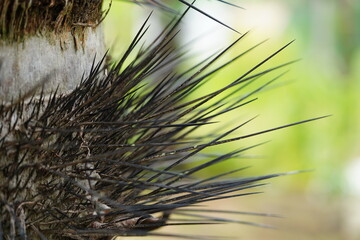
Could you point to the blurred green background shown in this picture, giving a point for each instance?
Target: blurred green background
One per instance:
(323, 203)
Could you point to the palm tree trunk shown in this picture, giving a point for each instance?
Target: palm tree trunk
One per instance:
(53, 42)
(39, 38)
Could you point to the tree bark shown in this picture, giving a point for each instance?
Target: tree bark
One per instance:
(50, 42)
(39, 38)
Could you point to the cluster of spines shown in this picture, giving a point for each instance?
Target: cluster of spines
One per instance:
(108, 154)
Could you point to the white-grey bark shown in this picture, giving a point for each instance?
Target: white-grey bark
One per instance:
(60, 62)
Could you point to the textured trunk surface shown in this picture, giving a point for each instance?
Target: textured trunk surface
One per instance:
(47, 41)
(38, 59)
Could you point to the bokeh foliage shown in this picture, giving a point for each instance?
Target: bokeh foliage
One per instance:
(324, 81)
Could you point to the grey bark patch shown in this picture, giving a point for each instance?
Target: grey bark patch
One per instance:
(27, 63)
